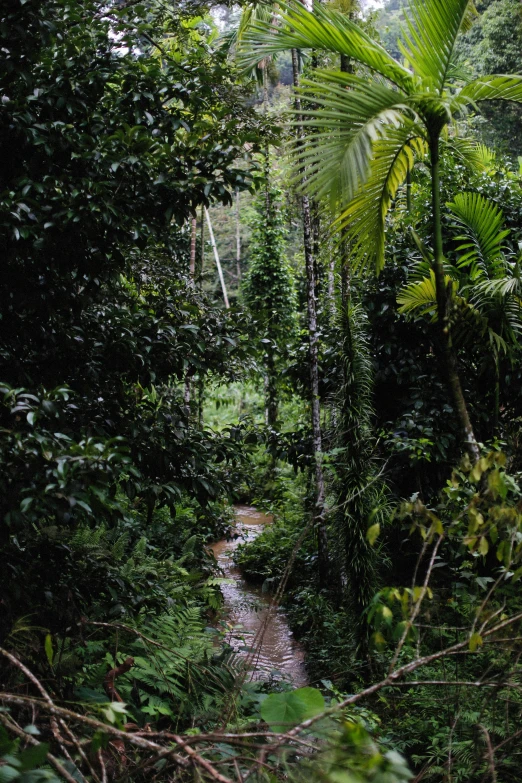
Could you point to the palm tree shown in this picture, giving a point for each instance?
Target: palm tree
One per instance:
(486, 301)
(368, 128)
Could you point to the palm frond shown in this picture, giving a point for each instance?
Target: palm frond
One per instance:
(475, 156)
(502, 287)
(420, 297)
(492, 88)
(324, 29)
(433, 27)
(349, 119)
(252, 14)
(363, 221)
(481, 221)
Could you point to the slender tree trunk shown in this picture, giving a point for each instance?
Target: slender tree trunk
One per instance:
(331, 283)
(345, 266)
(238, 239)
(322, 539)
(271, 402)
(496, 412)
(408, 191)
(201, 263)
(193, 234)
(192, 271)
(218, 263)
(449, 357)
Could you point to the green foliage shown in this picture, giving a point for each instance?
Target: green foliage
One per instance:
(493, 46)
(268, 289)
(359, 496)
(24, 765)
(363, 140)
(355, 757)
(269, 286)
(47, 476)
(284, 710)
(176, 674)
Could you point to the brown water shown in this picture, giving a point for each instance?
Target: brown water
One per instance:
(246, 609)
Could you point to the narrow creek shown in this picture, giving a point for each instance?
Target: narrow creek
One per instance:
(246, 608)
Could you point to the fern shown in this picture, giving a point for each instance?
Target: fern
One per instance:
(176, 675)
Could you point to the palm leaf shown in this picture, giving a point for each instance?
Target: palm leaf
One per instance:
(324, 29)
(475, 156)
(433, 27)
(481, 221)
(492, 88)
(469, 319)
(420, 297)
(502, 287)
(351, 117)
(363, 221)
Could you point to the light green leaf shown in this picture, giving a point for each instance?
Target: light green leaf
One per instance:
(372, 533)
(34, 756)
(48, 645)
(283, 710)
(8, 773)
(475, 642)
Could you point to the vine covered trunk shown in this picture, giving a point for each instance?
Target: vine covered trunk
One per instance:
(319, 512)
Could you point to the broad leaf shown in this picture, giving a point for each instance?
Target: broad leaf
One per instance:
(283, 710)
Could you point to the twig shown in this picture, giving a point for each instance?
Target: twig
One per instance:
(417, 605)
(490, 754)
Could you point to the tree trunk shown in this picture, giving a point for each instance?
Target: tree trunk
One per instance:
(192, 267)
(238, 240)
(201, 263)
(449, 357)
(496, 412)
(271, 402)
(319, 512)
(218, 263)
(192, 272)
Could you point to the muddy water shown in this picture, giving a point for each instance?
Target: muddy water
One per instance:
(246, 609)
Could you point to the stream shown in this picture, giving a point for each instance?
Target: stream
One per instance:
(246, 607)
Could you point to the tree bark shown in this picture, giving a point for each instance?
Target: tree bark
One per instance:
(313, 341)
(201, 263)
(192, 272)
(238, 239)
(192, 267)
(449, 357)
(271, 401)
